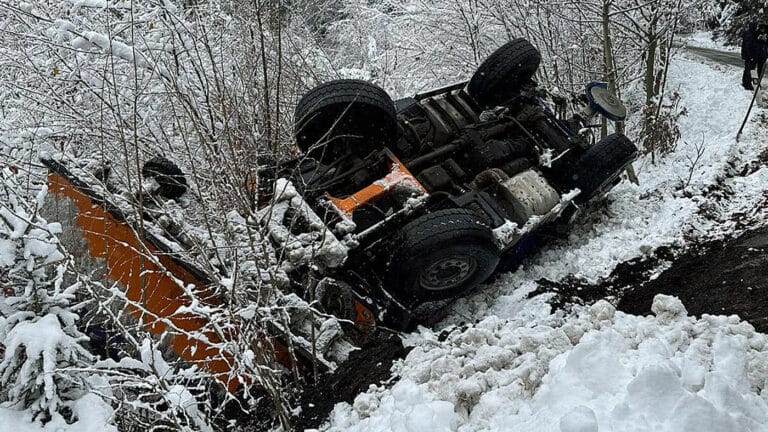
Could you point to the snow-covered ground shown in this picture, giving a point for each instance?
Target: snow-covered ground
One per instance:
(94, 415)
(599, 370)
(704, 39)
(520, 367)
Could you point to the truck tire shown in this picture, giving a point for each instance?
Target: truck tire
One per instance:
(344, 117)
(337, 299)
(504, 73)
(168, 175)
(601, 164)
(441, 255)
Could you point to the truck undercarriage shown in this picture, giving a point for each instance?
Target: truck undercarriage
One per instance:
(394, 209)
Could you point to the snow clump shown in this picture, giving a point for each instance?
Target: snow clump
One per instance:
(601, 370)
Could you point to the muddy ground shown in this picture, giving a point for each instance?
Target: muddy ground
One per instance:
(721, 277)
(369, 365)
(718, 278)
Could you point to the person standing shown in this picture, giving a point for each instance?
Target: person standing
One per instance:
(754, 52)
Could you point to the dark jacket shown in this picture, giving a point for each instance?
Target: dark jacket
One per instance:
(754, 43)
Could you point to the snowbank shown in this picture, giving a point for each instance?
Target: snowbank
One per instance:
(93, 414)
(602, 370)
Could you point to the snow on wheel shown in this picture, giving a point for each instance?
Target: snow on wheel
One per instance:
(503, 73)
(601, 164)
(440, 255)
(345, 117)
(337, 299)
(168, 175)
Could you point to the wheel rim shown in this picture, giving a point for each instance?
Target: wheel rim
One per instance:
(448, 273)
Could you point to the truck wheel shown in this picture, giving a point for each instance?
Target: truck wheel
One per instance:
(440, 255)
(344, 117)
(601, 164)
(337, 299)
(503, 73)
(168, 175)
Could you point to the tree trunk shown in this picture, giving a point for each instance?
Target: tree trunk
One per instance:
(610, 75)
(650, 70)
(608, 63)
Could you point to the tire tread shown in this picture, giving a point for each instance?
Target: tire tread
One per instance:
(600, 163)
(442, 228)
(334, 97)
(517, 59)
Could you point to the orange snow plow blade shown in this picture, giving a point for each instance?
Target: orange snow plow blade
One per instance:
(155, 282)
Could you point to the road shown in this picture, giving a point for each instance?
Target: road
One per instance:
(724, 57)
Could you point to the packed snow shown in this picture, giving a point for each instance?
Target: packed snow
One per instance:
(93, 414)
(599, 370)
(521, 367)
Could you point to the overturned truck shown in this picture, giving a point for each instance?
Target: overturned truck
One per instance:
(394, 209)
